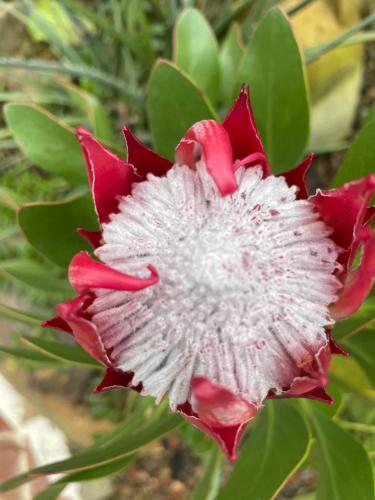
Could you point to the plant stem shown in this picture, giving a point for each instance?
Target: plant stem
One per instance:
(314, 53)
(70, 69)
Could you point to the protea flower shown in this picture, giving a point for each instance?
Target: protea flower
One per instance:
(217, 283)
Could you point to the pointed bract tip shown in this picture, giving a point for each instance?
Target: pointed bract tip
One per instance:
(245, 90)
(82, 132)
(57, 323)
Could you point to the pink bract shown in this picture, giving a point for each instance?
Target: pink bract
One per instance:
(222, 153)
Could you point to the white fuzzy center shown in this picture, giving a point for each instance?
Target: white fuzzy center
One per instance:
(245, 284)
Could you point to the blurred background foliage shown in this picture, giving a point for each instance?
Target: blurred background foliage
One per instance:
(158, 66)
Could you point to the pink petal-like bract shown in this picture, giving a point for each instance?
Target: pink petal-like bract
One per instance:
(85, 332)
(114, 379)
(296, 176)
(216, 284)
(86, 273)
(58, 323)
(219, 413)
(242, 131)
(359, 282)
(109, 175)
(94, 238)
(143, 158)
(345, 210)
(370, 216)
(209, 140)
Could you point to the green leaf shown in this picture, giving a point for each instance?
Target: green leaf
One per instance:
(105, 454)
(174, 104)
(360, 158)
(344, 467)
(50, 227)
(100, 471)
(273, 67)
(62, 352)
(276, 447)
(196, 51)
(34, 274)
(46, 141)
(20, 316)
(231, 53)
(52, 492)
(209, 483)
(28, 354)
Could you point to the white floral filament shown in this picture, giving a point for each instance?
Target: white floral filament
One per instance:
(245, 284)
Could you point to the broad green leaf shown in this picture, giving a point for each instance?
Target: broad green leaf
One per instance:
(174, 104)
(276, 447)
(61, 352)
(20, 316)
(231, 53)
(344, 467)
(28, 354)
(90, 105)
(196, 51)
(362, 347)
(41, 276)
(360, 158)
(209, 483)
(96, 456)
(272, 66)
(55, 489)
(46, 141)
(51, 227)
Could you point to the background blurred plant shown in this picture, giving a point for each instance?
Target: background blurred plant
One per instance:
(96, 63)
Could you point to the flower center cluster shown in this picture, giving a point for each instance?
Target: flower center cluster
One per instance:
(245, 284)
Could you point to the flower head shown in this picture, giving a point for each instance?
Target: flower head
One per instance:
(217, 283)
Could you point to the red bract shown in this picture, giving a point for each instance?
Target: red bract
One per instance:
(218, 283)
